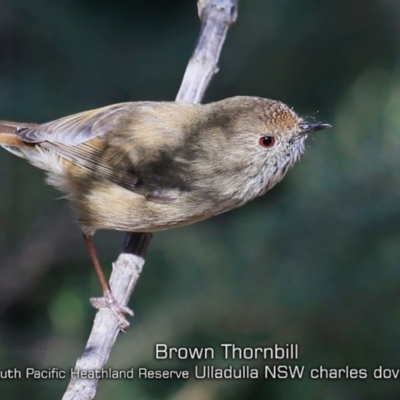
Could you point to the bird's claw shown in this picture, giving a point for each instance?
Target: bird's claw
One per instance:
(110, 302)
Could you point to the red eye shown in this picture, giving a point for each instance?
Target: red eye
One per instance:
(267, 141)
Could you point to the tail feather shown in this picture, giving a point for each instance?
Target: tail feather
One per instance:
(16, 125)
(39, 157)
(8, 133)
(10, 139)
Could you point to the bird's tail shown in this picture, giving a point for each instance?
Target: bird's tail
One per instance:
(38, 156)
(9, 138)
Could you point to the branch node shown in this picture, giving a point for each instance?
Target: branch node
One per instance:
(228, 7)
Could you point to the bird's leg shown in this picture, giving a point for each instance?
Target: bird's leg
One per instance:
(108, 300)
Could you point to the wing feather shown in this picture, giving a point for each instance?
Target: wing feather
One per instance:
(77, 128)
(91, 159)
(71, 138)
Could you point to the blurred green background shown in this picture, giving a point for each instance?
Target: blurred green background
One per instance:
(314, 262)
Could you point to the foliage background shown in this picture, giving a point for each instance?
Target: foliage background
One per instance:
(314, 262)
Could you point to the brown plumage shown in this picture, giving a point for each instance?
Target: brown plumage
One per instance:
(147, 166)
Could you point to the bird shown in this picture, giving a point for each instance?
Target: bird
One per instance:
(149, 166)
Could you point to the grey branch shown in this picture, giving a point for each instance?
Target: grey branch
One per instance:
(126, 272)
(216, 17)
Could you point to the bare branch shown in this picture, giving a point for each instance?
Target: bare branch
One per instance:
(216, 17)
(105, 329)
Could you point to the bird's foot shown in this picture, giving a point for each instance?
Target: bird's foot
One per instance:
(119, 311)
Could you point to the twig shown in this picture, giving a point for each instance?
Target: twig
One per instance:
(216, 16)
(126, 272)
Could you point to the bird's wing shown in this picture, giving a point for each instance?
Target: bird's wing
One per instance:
(92, 159)
(71, 138)
(118, 168)
(75, 129)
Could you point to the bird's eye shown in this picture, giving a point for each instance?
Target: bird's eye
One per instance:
(267, 141)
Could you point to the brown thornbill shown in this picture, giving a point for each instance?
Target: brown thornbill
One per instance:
(149, 166)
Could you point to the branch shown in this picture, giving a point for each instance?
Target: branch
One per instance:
(216, 16)
(126, 272)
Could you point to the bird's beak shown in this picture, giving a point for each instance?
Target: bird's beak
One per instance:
(308, 127)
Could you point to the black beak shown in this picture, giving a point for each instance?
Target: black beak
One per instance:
(308, 127)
